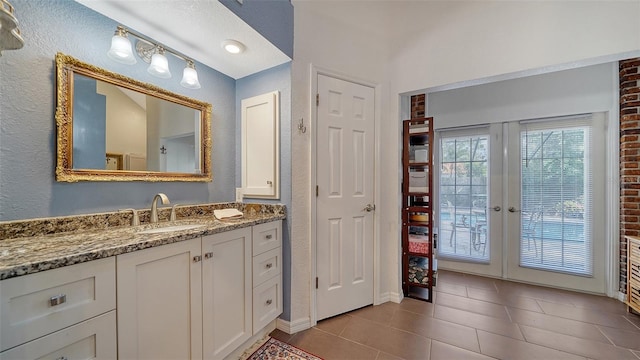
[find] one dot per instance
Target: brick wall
(629, 159)
(417, 106)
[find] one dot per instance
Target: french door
(525, 201)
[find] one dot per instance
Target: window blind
(556, 192)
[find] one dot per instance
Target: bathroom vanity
(203, 288)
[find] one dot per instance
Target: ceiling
(196, 29)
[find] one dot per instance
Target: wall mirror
(114, 128)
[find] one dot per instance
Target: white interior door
(345, 172)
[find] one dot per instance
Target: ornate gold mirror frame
(66, 67)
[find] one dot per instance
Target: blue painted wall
(271, 18)
(27, 126)
(275, 79)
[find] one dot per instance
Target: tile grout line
(605, 335)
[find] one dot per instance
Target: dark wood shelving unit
(418, 262)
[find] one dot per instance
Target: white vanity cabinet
(67, 312)
(160, 302)
(196, 299)
(267, 273)
(226, 292)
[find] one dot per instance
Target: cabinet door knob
(58, 299)
(62, 358)
(268, 237)
(269, 266)
(197, 258)
(269, 302)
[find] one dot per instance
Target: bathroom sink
(170, 229)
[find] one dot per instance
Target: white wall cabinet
(226, 291)
(261, 146)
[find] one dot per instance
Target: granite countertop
(27, 255)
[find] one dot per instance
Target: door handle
(369, 208)
(496, 208)
(513, 210)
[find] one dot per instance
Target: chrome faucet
(154, 205)
(135, 220)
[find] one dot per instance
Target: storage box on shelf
(417, 232)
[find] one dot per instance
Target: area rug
(274, 349)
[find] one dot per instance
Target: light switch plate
(238, 194)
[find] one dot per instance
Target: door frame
(315, 71)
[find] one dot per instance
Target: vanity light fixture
(10, 38)
(233, 46)
(153, 53)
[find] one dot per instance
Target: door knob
(369, 208)
(496, 208)
(512, 209)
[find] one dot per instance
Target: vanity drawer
(91, 339)
(266, 237)
(38, 304)
(266, 266)
(267, 303)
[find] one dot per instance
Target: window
(556, 190)
(464, 169)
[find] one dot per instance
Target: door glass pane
(555, 188)
(464, 168)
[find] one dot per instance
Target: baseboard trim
(292, 327)
(396, 297)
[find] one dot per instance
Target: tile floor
(479, 318)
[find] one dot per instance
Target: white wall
(323, 39)
(443, 42)
(569, 92)
(407, 46)
(126, 122)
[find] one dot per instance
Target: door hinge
(317, 99)
(316, 282)
(317, 190)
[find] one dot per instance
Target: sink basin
(170, 229)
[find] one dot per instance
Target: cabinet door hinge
(317, 190)
(317, 99)
(316, 282)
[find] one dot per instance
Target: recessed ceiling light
(233, 46)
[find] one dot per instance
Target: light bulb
(233, 46)
(120, 50)
(159, 65)
(190, 77)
